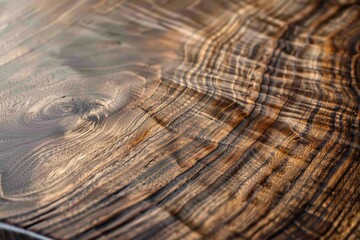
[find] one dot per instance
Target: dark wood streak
(167, 119)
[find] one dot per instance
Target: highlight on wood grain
(180, 119)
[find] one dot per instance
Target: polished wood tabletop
(179, 119)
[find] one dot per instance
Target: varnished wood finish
(182, 119)
(9, 232)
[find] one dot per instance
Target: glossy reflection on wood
(180, 119)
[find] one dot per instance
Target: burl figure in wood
(180, 119)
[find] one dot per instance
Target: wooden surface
(180, 119)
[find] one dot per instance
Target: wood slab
(180, 119)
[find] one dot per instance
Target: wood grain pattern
(180, 119)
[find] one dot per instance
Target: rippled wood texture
(180, 119)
